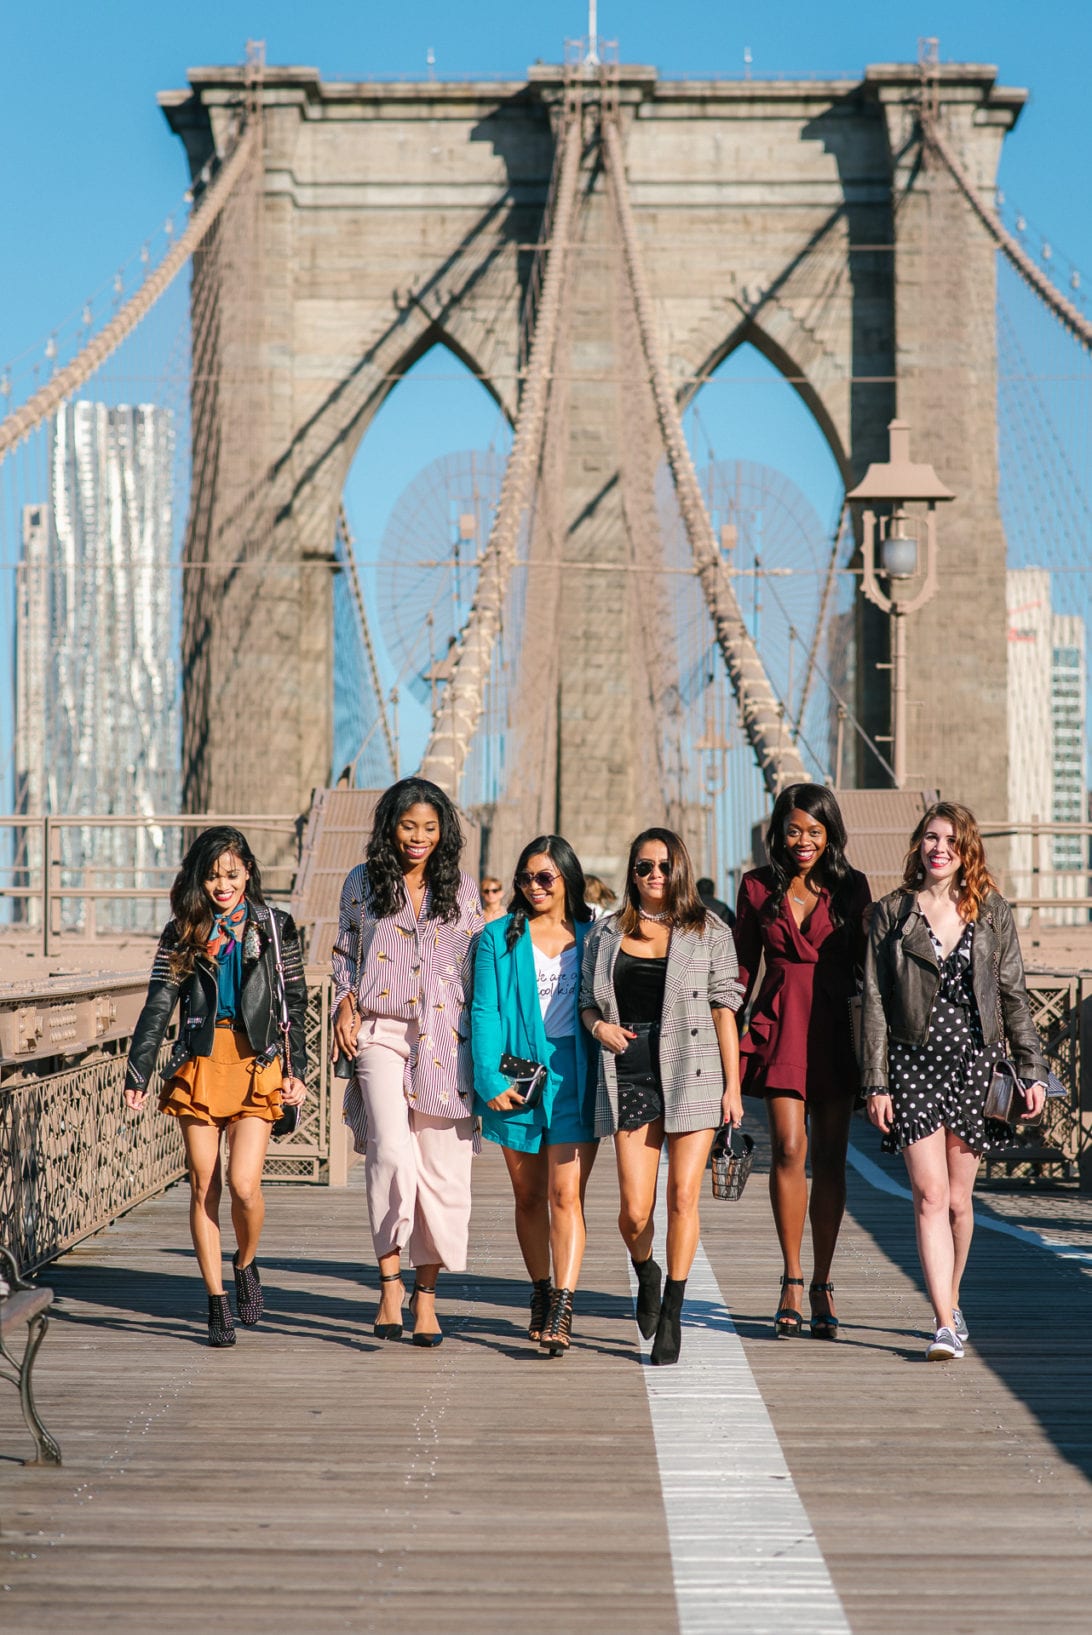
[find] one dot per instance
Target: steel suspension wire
(461, 705)
(762, 713)
(1074, 320)
(22, 421)
(347, 555)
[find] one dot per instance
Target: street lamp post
(896, 483)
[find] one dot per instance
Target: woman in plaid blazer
(658, 992)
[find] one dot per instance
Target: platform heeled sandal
(423, 1339)
(388, 1331)
(557, 1334)
(824, 1324)
(789, 1324)
(541, 1291)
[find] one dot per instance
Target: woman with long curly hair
(526, 979)
(944, 988)
(402, 965)
(804, 914)
(216, 957)
(658, 991)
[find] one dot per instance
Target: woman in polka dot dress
(944, 987)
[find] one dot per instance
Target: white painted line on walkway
(743, 1553)
(879, 1178)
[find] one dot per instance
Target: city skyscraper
(97, 728)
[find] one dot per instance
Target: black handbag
(289, 1121)
(528, 1078)
(729, 1163)
(1005, 1098)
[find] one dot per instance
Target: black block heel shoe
(668, 1342)
(221, 1328)
(541, 1290)
(423, 1339)
(249, 1300)
(558, 1333)
(648, 1295)
(787, 1322)
(824, 1324)
(388, 1331)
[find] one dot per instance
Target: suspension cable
(344, 537)
(763, 715)
(48, 399)
(461, 704)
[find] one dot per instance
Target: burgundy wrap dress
(799, 1038)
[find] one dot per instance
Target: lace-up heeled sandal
(221, 1328)
(423, 1339)
(541, 1290)
(789, 1324)
(389, 1331)
(557, 1334)
(249, 1300)
(824, 1324)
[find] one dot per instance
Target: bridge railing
(73, 1157)
(1048, 878)
(77, 875)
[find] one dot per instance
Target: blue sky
(90, 168)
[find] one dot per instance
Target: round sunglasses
(542, 878)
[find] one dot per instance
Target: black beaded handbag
(527, 1078)
(731, 1164)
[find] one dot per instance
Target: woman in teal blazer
(526, 984)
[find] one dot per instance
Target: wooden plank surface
(314, 1478)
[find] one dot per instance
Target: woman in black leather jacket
(944, 987)
(216, 959)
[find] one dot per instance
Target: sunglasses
(492, 891)
(646, 866)
(540, 879)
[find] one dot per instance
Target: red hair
(975, 880)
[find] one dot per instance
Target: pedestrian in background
(402, 966)
(598, 896)
(217, 961)
(707, 893)
(492, 891)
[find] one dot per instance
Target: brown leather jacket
(902, 978)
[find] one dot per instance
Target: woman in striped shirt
(402, 965)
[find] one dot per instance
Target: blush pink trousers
(416, 1168)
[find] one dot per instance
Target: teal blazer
(505, 1016)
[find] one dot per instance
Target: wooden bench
(24, 1306)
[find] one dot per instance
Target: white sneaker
(944, 1347)
(962, 1332)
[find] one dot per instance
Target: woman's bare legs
(569, 1165)
(927, 1167)
(786, 1115)
(962, 1174)
(529, 1174)
(687, 1157)
(828, 1139)
(202, 1144)
(637, 1155)
(248, 1139)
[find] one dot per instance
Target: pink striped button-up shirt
(412, 970)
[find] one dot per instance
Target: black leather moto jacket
(198, 994)
(902, 979)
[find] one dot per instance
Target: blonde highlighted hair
(975, 881)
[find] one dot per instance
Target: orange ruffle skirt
(225, 1086)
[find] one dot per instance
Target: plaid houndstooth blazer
(701, 976)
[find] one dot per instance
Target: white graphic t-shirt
(558, 980)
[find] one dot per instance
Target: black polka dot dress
(943, 1083)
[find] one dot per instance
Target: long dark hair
(681, 900)
(565, 860)
(975, 880)
(385, 884)
(834, 872)
(190, 905)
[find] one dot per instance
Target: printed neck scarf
(226, 929)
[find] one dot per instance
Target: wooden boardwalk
(316, 1479)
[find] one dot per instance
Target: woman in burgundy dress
(805, 913)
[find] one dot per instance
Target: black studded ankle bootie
(249, 1300)
(668, 1341)
(221, 1328)
(648, 1295)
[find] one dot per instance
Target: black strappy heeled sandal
(423, 1339)
(557, 1334)
(541, 1290)
(789, 1324)
(824, 1324)
(388, 1331)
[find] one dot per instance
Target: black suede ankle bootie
(648, 1295)
(668, 1341)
